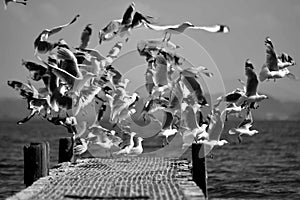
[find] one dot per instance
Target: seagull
(112, 54)
(71, 74)
(180, 28)
(138, 19)
(85, 97)
(230, 109)
(104, 138)
(195, 88)
(85, 36)
(41, 45)
(14, 1)
(195, 71)
(251, 95)
(24, 89)
(137, 150)
(36, 71)
(68, 122)
(218, 28)
(167, 132)
(128, 15)
(170, 29)
(271, 69)
(68, 62)
(192, 131)
(126, 150)
(80, 147)
(232, 97)
(166, 129)
(156, 44)
(110, 31)
(244, 127)
(160, 77)
(59, 100)
(284, 60)
(214, 142)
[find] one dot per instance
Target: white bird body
(180, 28)
(281, 73)
(214, 142)
(167, 132)
(134, 151)
(80, 148)
(250, 95)
(244, 127)
(232, 109)
(275, 67)
(128, 148)
(243, 131)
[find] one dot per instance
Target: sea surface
(264, 166)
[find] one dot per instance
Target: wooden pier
(113, 178)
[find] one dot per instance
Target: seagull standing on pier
(126, 150)
(137, 150)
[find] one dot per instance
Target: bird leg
(226, 117)
(169, 37)
(240, 139)
(165, 37)
(167, 140)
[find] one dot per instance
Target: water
(13, 137)
(266, 166)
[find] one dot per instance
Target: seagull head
(136, 96)
(132, 134)
(100, 36)
(140, 139)
(248, 64)
(262, 97)
(132, 4)
(88, 28)
(268, 42)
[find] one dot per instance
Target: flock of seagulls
(74, 77)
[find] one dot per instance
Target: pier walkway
(118, 178)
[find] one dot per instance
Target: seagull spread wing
(128, 14)
(168, 119)
(252, 81)
(271, 58)
(213, 28)
(59, 28)
(161, 27)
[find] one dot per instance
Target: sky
(223, 54)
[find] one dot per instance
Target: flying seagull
(244, 127)
(168, 30)
(251, 96)
(85, 36)
(274, 67)
(41, 45)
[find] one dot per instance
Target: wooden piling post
(199, 167)
(36, 162)
(65, 149)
